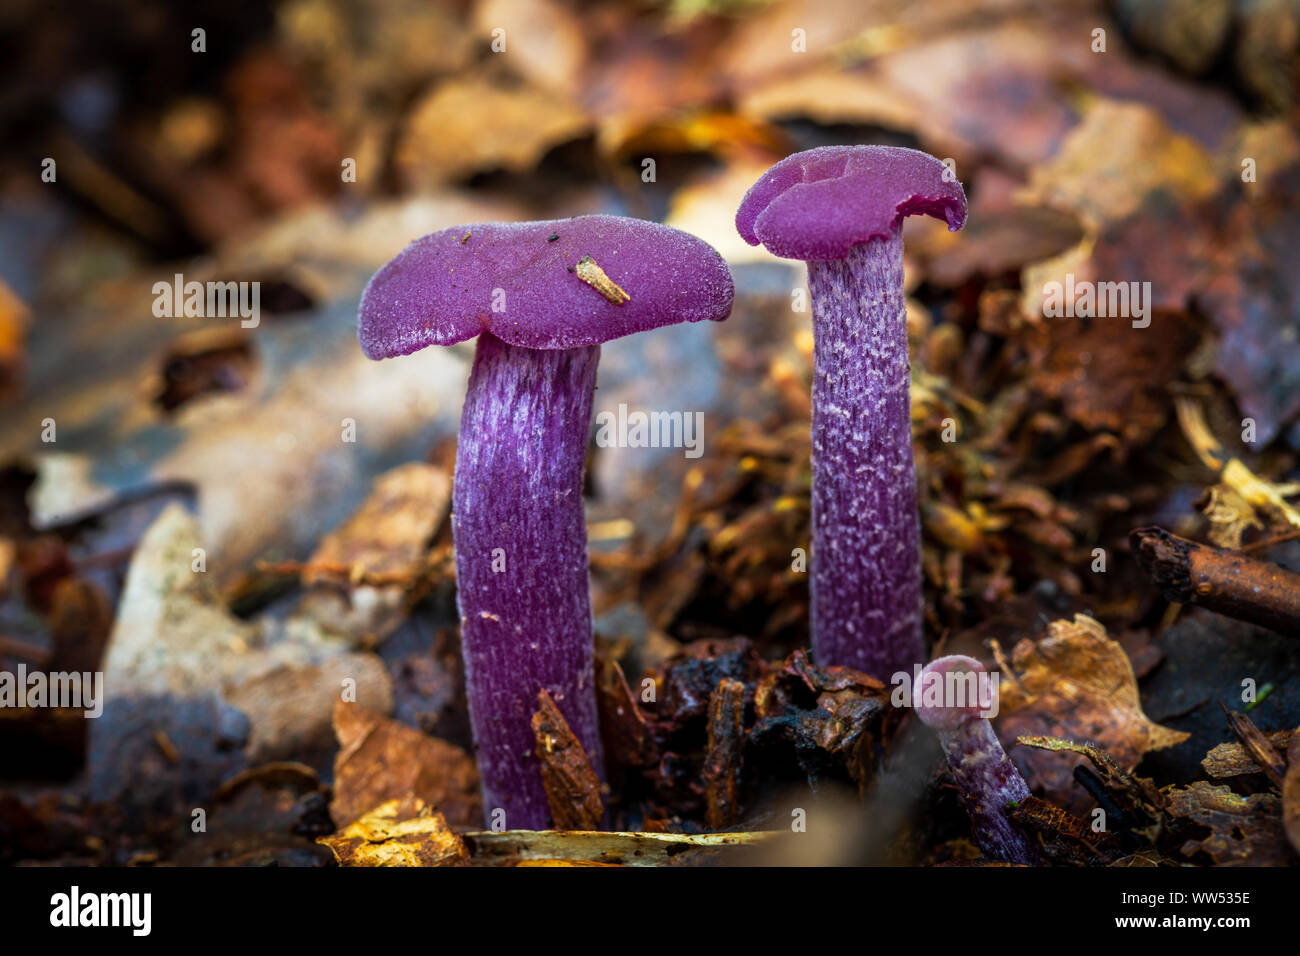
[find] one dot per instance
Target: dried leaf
(381, 760)
(1136, 805)
(1252, 297)
(1242, 831)
(553, 45)
(446, 139)
(398, 833)
(1108, 375)
(562, 863)
(1076, 683)
(291, 707)
(1232, 760)
(1066, 838)
(954, 82)
(391, 530)
(1118, 154)
(368, 572)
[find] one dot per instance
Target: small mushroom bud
(950, 696)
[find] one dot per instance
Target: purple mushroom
(541, 297)
(840, 209)
(950, 695)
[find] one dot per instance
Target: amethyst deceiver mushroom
(541, 297)
(841, 209)
(950, 694)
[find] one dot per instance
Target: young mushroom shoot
(840, 209)
(540, 297)
(951, 696)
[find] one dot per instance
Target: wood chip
(572, 787)
(1258, 746)
(631, 849)
(1231, 759)
(723, 758)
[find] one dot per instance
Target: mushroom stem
(521, 562)
(866, 584)
(951, 699)
(988, 782)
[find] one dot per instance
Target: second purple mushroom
(952, 695)
(540, 297)
(841, 209)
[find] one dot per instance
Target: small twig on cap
(592, 274)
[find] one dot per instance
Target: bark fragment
(572, 787)
(1258, 746)
(723, 759)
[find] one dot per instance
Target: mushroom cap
(948, 715)
(522, 282)
(818, 203)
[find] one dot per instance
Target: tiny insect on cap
(819, 203)
(557, 284)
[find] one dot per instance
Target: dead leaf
(1135, 805)
(998, 242)
(828, 95)
(545, 40)
(1230, 759)
(398, 833)
(291, 707)
(446, 139)
(562, 863)
(391, 530)
(1118, 154)
(1103, 378)
(366, 574)
(381, 760)
(1251, 295)
(1075, 683)
(1064, 837)
(1241, 830)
